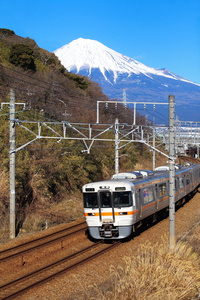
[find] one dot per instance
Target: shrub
(23, 56)
(4, 31)
(80, 81)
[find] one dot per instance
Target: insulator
(115, 105)
(144, 106)
(106, 105)
(154, 107)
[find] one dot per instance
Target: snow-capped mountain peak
(86, 54)
(114, 72)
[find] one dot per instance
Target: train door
(188, 183)
(163, 191)
(138, 199)
(181, 186)
(156, 195)
(106, 208)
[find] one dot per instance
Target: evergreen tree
(23, 56)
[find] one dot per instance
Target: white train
(115, 208)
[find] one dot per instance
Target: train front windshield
(90, 200)
(122, 199)
(107, 199)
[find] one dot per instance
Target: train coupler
(108, 231)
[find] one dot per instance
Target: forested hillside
(49, 175)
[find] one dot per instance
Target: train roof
(166, 168)
(128, 182)
(133, 174)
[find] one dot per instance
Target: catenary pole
(171, 172)
(116, 146)
(154, 152)
(12, 164)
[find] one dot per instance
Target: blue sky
(160, 34)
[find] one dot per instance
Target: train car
(115, 208)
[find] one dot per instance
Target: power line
(64, 92)
(46, 84)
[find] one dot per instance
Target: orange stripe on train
(106, 214)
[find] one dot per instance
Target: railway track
(20, 285)
(189, 159)
(32, 245)
(63, 288)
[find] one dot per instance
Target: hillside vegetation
(49, 175)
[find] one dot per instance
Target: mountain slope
(39, 79)
(114, 72)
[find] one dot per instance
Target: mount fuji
(115, 72)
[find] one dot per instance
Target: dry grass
(4, 185)
(155, 273)
(194, 239)
(4, 204)
(148, 165)
(44, 216)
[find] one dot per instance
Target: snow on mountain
(114, 72)
(86, 54)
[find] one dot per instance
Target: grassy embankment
(156, 273)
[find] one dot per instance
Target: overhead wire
(38, 79)
(161, 118)
(52, 98)
(65, 91)
(44, 85)
(56, 84)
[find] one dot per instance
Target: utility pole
(154, 152)
(171, 172)
(124, 97)
(116, 146)
(12, 159)
(12, 164)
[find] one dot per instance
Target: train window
(122, 199)
(181, 182)
(162, 188)
(90, 200)
(187, 180)
(156, 188)
(148, 194)
(176, 187)
(105, 199)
